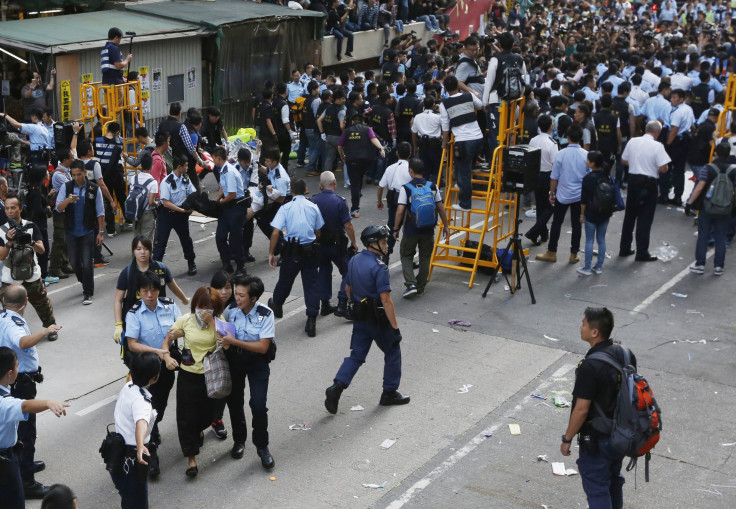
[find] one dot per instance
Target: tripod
(516, 257)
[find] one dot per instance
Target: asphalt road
(453, 447)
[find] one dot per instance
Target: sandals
(192, 471)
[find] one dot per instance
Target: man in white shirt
(427, 138)
(393, 179)
(646, 159)
(680, 80)
(146, 224)
(548, 146)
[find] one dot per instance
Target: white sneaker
(718, 271)
(584, 271)
(456, 206)
(698, 269)
(412, 290)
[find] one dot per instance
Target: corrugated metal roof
(218, 12)
(90, 26)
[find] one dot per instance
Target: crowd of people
(619, 96)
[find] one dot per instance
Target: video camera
(20, 232)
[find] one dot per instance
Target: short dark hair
(113, 33)
(404, 150)
(37, 112)
(113, 127)
(60, 496)
(141, 132)
(179, 160)
(77, 164)
(149, 279)
(606, 101)
(161, 138)
(601, 319)
(281, 88)
(272, 153)
(470, 41)
(83, 147)
(506, 40)
(144, 366)
(253, 283)
(417, 166)
(219, 152)
(298, 187)
(723, 149)
(174, 109)
(220, 279)
(141, 239)
(63, 153)
(7, 360)
(244, 154)
(146, 162)
(544, 122)
(574, 133)
(450, 84)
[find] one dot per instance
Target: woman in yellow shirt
(193, 407)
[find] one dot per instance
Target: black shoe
(544, 236)
(227, 267)
(241, 270)
(327, 308)
(532, 238)
(342, 308)
(38, 466)
(53, 336)
(238, 450)
(393, 398)
(663, 200)
(333, 393)
(192, 269)
(68, 269)
(339, 58)
(623, 186)
(676, 202)
(153, 465)
(266, 458)
(311, 326)
(35, 490)
(249, 258)
(627, 252)
(348, 54)
(219, 428)
(192, 471)
(278, 311)
(645, 258)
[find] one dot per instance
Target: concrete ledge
(366, 45)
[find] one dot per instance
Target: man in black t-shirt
(596, 387)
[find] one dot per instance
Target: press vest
(478, 78)
(278, 103)
(389, 71)
(460, 109)
(620, 108)
(308, 120)
(699, 101)
(172, 126)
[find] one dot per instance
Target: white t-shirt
(395, 176)
(645, 155)
(130, 408)
(92, 176)
(145, 179)
(427, 123)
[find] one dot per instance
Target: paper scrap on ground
(435, 331)
(558, 468)
(542, 457)
(388, 443)
(680, 295)
(729, 445)
(356, 408)
(300, 427)
(464, 389)
(459, 323)
(372, 485)
(550, 338)
(514, 429)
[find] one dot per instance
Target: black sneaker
(327, 308)
(266, 459)
(227, 266)
(219, 428)
(192, 268)
(34, 490)
(249, 258)
(278, 311)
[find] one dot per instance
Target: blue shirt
(657, 108)
(635, 104)
(293, 90)
(11, 412)
(704, 116)
(78, 207)
(176, 189)
(569, 170)
(50, 129)
(38, 135)
(110, 54)
(590, 95)
(249, 175)
(12, 328)
(256, 325)
(714, 84)
(60, 177)
(230, 181)
(367, 276)
(683, 118)
(334, 210)
(300, 217)
(616, 82)
(150, 327)
(280, 180)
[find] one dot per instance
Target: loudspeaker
(521, 165)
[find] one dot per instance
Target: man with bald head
(337, 230)
(647, 160)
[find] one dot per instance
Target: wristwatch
(565, 440)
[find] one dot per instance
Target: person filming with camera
(20, 243)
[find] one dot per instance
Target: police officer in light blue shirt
(234, 201)
(302, 221)
(659, 108)
(678, 144)
(294, 88)
(147, 327)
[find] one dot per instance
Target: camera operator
(20, 242)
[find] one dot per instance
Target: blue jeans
(430, 21)
(81, 250)
(468, 149)
(595, 232)
(492, 124)
(600, 471)
(364, 334)
(403, 10)
(316, 149)
(711, 227)
(340, 34)
(352, 27)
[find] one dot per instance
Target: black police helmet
(374, 233)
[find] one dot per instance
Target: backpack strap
(606, 356)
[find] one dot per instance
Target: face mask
(198, 315)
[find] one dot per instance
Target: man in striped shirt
(111, 59)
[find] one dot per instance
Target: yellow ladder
(722, 126)
(495, 212)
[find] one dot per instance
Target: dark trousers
(641, 202)
(257, 371)
(194, 178)
(179, 222)
(116, 185)
(327, 256)
(600, 472)
(11, 485)
(356, 170)
(229, 234)
(160, 397)
(431, 156)
(263, 220)
(558, 217)
(205, 171)
(291, 266)
(81, 253)
(303, 146)
(43, 259)
(544, 207)
(284, 143)
(58, 257)
(38, 298)
(408, 247)
(675, 177)
(391, 222)
(133, 492)
(193, 410)
(364, 334)
(23, 388)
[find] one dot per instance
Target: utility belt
(371, 311)
(6, 458)
(642, 180)
(294, 249)
(250, 356)
(428, 142)
(392, 198)
(333, 239)
(31, 376)
(243, 202)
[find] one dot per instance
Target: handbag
(619, 203)
(217, 374)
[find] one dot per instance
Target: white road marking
(61, 289)
(665, 287)
(97, 405)
(469, 447)
(209, 237)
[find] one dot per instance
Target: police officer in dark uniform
(369, 289)
(406, 109)
(284, 134)
(378, 120)
(180, 146)
(608, 127)
(390, 69)
(333, 243)
(249, 354)
(174, 190)
(331, 122)
(234, 200)
(147, 327)
(702, 95)
(267, 132)
(596, 389)
(15, 334)
(302, 221)
(357, 148)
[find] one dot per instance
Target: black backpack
(604, 196)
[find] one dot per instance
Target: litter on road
(550, 338)
(559, 469)
(514, 429)
(300, 427)
(464, 389)
(538, 396)
(561, 401)
(356, 408)
(435, 331)
(680, 295)
(374, 486)
(388, 443)
(459, 323)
